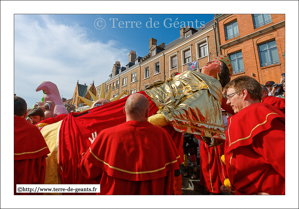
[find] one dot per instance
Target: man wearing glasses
(255, 141)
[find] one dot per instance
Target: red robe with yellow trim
(132, 158)
(30, 152)
(255, 150)
(277, 102)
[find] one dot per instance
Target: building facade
(255, 44)
(193, 45)
(82, 91)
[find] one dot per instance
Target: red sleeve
(272, 146)
(88, 169)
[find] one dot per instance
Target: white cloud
(62, 54)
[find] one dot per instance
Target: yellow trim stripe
(254, 128)
(131, 172)
(24, 153)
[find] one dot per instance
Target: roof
(181, 39)
(82, 90)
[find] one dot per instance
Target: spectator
(142, 157)
(30, 149)
(190, 146)
(36, 115)
(253, 135)
(269, 86)
(279, 103)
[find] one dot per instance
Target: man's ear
(147, 113)
(124, 110)
(245, 93)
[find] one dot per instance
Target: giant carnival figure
(189, 102)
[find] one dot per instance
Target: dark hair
(36, 111)
(264, 88)
(20, 106)
(253, 87)
(224, 74)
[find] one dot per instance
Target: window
(117, 84)
(231, 30)
(107, 89)
(80, 105)
(115, 95)
(237, 62)
(133, 91)
(133, 77)
(146, 72)
(202, 50)
(268, 53)
(113, 85)
(187, 56)
(157, 68)
(174, 61)
(124, 81)
(261, 19)
(110, 86)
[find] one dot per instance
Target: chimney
(182, 32)
(162, 45)
(132, 56)
(117, 64)
(152, 42)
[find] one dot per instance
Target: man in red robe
(255, 141)
(30, 149)
(277, 102)
(129, 158)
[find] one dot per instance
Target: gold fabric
(50, 134)
(191, 103)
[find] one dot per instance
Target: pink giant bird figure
(53, 102)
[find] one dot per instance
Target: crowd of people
(137, 147)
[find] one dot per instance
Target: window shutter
(187, 53)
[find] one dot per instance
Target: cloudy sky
(66, 48)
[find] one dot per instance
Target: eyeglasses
(229, 96)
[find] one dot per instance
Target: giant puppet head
(219, 68)
(53, 102)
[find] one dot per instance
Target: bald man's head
(137, 107)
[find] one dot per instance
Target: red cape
(30, 152)
(28, 141)
(255, 150)
(277, 102)
(134, 154)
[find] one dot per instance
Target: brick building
(163, 60)
(255, 44)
